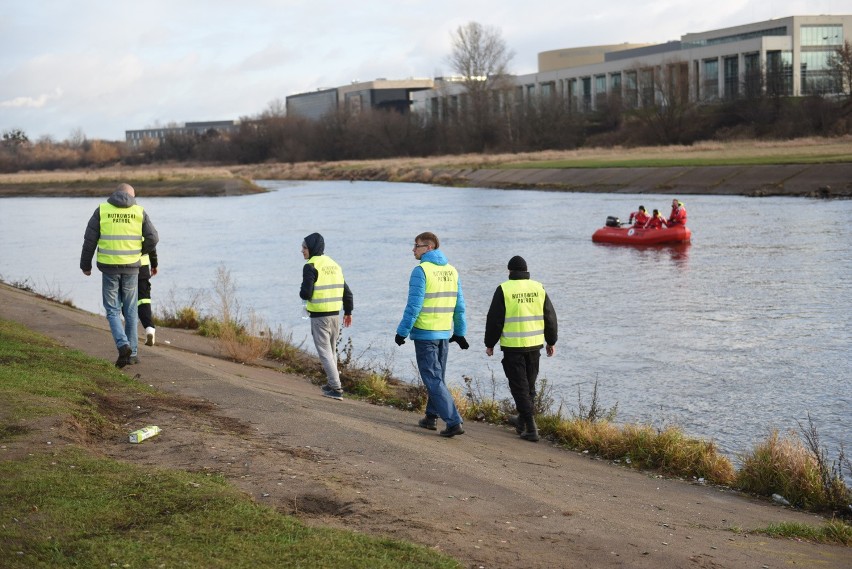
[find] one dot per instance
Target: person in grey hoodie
(121, 232)
(325, 292)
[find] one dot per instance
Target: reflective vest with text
(439, 303)
(523, 326)
(120, 242)
(328, 290)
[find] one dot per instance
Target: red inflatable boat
(639, 236)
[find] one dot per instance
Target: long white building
(786, 55)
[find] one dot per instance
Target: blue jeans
(432, 364)
(120, 295)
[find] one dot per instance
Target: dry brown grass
(244, 342)
(782, 465)
(419, 169)
(129, 174)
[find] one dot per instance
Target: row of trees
(490, 116)
(538, 124)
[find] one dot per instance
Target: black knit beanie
(517, 263)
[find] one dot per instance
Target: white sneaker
(150, 331)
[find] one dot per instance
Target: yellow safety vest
(121, 235)
(523, 326)
(328, 290)
(439, 303)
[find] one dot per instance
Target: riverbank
(486, 498)
(171, 181)
(817, 168)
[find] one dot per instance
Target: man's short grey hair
(126, 188)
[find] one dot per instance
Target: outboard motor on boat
(612, 221)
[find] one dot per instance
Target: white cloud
(107, 67)
(32, 102)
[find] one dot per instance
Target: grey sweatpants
(325, 331)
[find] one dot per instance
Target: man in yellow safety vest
(121, 233)
(434, 316)
(521, 317)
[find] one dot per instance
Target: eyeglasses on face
(419, 245)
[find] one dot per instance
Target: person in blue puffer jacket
(434, 316)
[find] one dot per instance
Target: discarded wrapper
(145, 433)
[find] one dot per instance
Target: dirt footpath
(487, 498)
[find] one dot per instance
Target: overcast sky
(101, 67)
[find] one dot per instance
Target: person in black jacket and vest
(325, 293)
(522, 319)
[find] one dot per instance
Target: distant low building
(158, 135)
(378, 94)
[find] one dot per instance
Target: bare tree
(840, 67)
(665, 105)
(479, 54)
(276, 108)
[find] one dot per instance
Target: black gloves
(400, 340)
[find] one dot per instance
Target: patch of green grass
(834, 532)
(38, 377)
(74, 510)
(680, 161)
(70, 508)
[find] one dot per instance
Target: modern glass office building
(786, 56)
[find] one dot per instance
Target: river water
(745, 330)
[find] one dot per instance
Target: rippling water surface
(746, 329)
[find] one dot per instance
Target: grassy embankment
(438, 169)
(227, 179)
(149, 181)
(799, 471)
(70, 507)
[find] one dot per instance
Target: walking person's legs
(111, 296)
(325, 331)
(146, 318)
(432, 364)
(129, 298)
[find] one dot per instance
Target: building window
(572, 94)
(779, 73)
(780, 31)
(752, 75)
(821, 35)
(631, 89)
(732, 77)
(816, 73)
(587, 93)
(615, 82)
(646, 87)
(711, 80)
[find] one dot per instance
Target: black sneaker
(332, 393)
(452, 431)
(428, 422)
(123, 356)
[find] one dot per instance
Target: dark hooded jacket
(316, 246)
(497, 315)
(93, 234)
